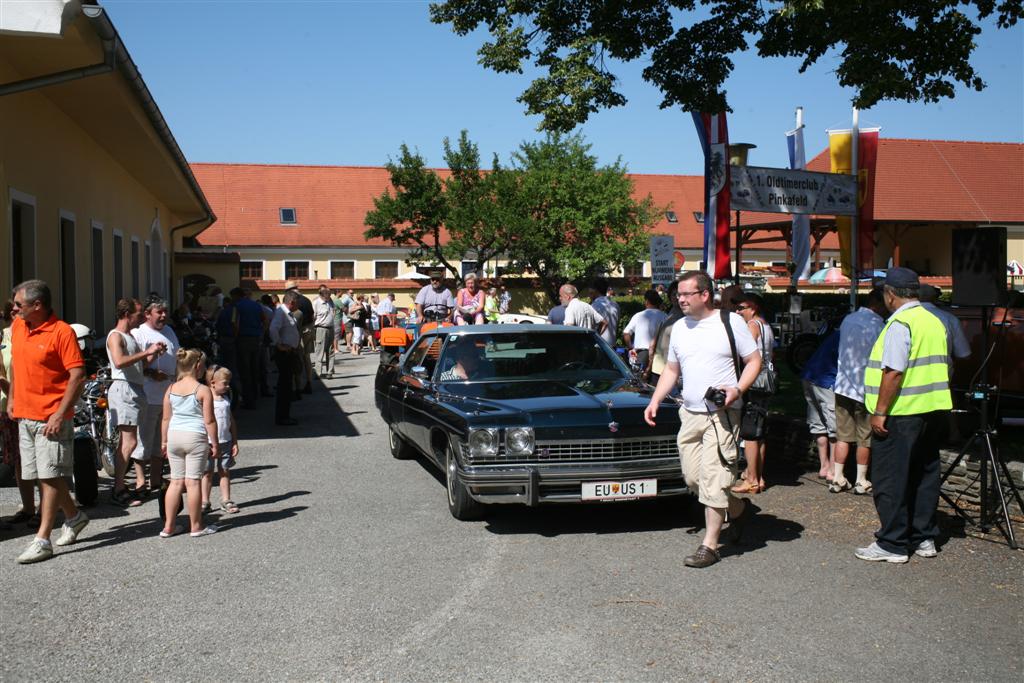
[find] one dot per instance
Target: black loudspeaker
(979, 266)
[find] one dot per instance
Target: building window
(67, 269)
(118, 266)
(97, 277)
(23, 241)
(343, 270)
(149, 268)
(469, 267)
(135, 268)
(698, 216)
(250, 270)
(635, 269)
(288, 217)
(671, 217)
(296, 270)
(385, 270)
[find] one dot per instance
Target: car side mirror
(420, 372)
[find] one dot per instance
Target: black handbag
(753, 414)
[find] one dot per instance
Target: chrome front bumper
(535, 483)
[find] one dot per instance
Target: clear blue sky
(347, 82)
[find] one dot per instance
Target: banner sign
(714, 141)
(801, 228)
(840, 152)
(663, 259)
(783, 190)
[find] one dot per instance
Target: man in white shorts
(158, 374)
(126, 397)
(701, 352)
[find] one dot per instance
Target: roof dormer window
(288, 217)
(671, 217)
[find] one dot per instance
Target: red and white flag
(714, 140)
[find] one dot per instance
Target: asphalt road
(345, 564)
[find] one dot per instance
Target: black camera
(715, 396)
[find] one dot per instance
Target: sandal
(746, 487)
(22, 516)
(229, 507)
(123, 498)
(206, 508)
(205, 531)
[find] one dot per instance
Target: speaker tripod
(986, 435)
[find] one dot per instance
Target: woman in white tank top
(750, 307)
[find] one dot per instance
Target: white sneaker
(838, 486)
(69, 533)
(926, 549)
(874, 553)
(862, 488)
(37, 551)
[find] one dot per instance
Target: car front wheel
(460, 504)
(400, 450)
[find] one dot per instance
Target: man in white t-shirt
(643, 326)
(700, 351)
(580, 313)
(606, 308)
(158, 374)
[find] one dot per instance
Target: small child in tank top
(219, 381)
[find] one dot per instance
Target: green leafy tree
(440, 221)
(885, 49)
(568, 219)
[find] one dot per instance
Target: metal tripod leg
(960, 456)
(996, 463)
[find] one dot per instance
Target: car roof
(505, 329)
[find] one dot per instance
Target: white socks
(862, 473)
(837, 472)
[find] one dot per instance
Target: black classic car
(527, 414)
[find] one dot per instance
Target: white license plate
(620, 490)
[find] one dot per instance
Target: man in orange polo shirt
(48, 374)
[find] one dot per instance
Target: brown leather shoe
(704, 557)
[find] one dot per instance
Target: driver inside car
(469, 363)
(434, 301)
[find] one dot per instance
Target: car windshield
(528, 356)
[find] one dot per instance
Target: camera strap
(732, 342)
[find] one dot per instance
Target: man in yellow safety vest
(906, 391)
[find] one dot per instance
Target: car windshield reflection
(528, 356)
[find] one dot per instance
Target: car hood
(560, 410)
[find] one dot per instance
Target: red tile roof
(918, 180)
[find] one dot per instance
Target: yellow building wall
(46, 155)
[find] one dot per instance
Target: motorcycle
(96, 440)
(197, 333)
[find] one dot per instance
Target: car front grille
(596, 450)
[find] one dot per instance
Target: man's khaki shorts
(701, 437)
(45, 457)
(853, 423)
(126, 404)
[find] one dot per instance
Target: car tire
(400, 450)
(84, 468)
(460, 504)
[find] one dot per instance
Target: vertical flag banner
(801, 231)
(840, 145)
(714, 140)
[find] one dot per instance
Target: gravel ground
(345, 564)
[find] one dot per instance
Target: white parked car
(521, 319)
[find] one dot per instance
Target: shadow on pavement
(318, 415)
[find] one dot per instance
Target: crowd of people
(168, 404)
(876, 385)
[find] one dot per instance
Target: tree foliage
(553, 213)
(886, 49)
(569, 219)
(440, 221)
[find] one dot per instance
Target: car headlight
(519, 440)
(483, 443)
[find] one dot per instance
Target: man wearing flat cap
(906, 390)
